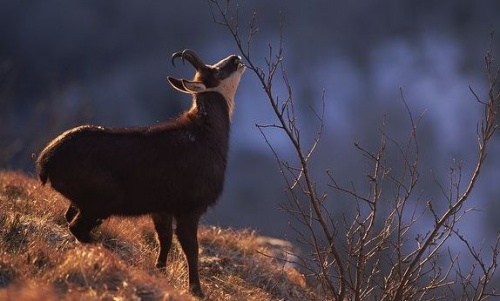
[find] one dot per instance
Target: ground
(41, 260)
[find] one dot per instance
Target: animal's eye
(236, 60)
(217, 72)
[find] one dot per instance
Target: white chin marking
(228, 86)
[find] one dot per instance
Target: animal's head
(222, 77)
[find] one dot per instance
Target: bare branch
(379, 255)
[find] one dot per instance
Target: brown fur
(170, 170)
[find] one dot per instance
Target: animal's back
(52, 152)
(137, 171)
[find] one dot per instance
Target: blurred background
(66, 63)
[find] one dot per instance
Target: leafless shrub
(386, 249)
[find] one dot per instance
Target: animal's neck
(211, 105)
(229, 90)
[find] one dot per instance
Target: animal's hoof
(196, 291)
(161, 266)
(84, 238)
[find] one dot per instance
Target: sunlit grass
(41, 260)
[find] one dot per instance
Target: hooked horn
(190, 56)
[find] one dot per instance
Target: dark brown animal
(172, 170)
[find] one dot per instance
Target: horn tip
(176, 55)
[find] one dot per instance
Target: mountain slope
(40, 259)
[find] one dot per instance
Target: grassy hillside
(40, 259)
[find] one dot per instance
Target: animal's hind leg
(187, 234)
(81, 226)
(163, 227)
(71, 213)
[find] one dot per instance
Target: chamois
(171, 170)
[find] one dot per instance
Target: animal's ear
(186, 86)
(177, 84)
(193, 87)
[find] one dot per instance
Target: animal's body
(170, 170)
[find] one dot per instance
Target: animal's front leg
(163, 227)
(187, 234)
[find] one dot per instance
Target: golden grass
(40, 259)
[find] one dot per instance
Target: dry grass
(40, 260)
